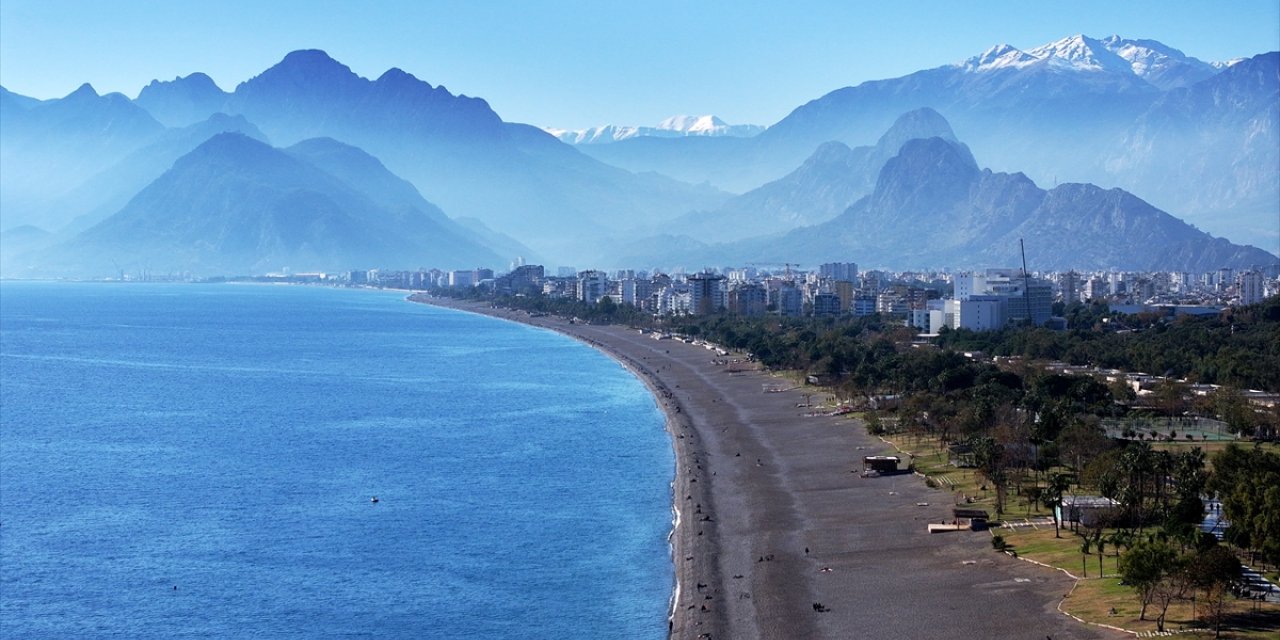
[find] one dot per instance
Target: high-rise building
(706, 293)
(1249, 284)
(1024, 297)
(1069, 287)
(846, 271)
(748, 300)
(826, 304)
(592, 285)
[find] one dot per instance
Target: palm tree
(1101, 543)
(1085, 549)
(1052, 497)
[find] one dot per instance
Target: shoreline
(782, 538)
(688, 551)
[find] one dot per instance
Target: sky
(579, 63)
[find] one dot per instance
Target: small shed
(977, 517)
(961, 455)
(1090, 511)
(881, 464)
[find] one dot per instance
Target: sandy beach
(778, 536)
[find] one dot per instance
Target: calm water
(226, 440)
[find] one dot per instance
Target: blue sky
(575, 63)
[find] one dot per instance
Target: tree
(1052, 496)
(1082, 440)
(1215, 572)
(1171, 586)
(1170, 394)
(1086, 547)
(1100, 542)
(1143, 566)
(1248, 483)
(607, 307)
(988, 455)
(1233, 409)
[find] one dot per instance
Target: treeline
(1239, 347)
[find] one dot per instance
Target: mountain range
(236, 205)
(348, 165)
(932, 206)
(512, 177)
(1115, 112)
(673, 127)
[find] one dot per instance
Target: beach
(777, 534)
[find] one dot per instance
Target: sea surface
(200, 461)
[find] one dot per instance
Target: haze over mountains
(931, 205)
(310, 166)
(1114, 112)
(237, 205)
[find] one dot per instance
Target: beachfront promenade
(779, 536)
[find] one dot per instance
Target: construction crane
(786, 265)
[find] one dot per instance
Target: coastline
(775, 534)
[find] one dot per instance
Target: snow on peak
(673, 127)
(1001, 56)
(1082, 53)
(1155, 62)
(692, 124)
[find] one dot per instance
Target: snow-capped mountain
(673, 127)
(1082, 53)
(1155, 62)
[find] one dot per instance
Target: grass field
(1100, 600)
(1107, 601)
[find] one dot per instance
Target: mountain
(515, 178)
(1160, 64)
(370, 177)
(673, 127)
(1071, 110)
(49, 148)
(1213, 148)
(237, 205)
(105, 193)
(830, 180)
(1022, 108)
(10, 99)
(182, 101)
(932, 206)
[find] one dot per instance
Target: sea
(202, 461)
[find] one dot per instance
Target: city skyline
(577, 64)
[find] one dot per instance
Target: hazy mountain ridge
(237, 205)
(50, 147)
(184, 100)
(826, 184)
(932, 206)
(86, 156)
(108, 191)
(513, 177)
(1063, 112)
(509, 176)
(1232, 121)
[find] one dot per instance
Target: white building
(1249, 284)
(1022, 297)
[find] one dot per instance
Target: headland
(777, 534)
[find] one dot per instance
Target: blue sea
(200, 461)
